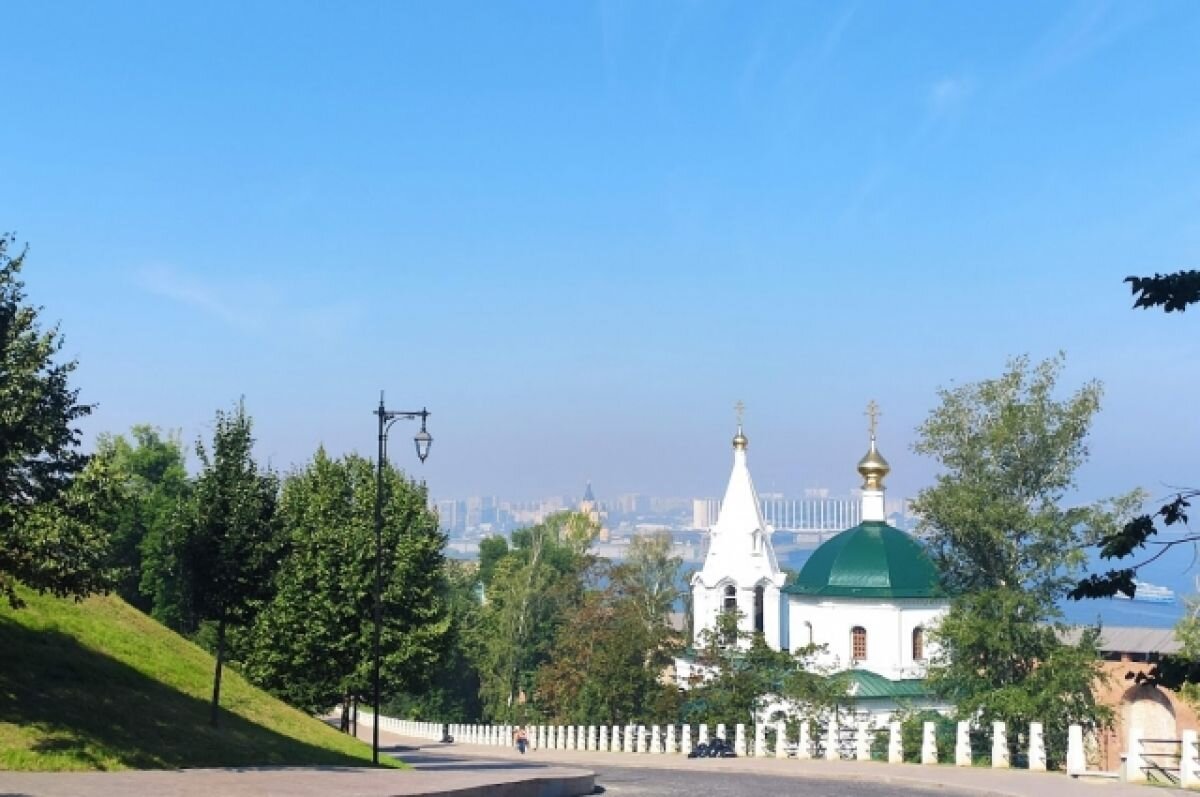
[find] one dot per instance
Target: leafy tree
(649, 579)
(1007, 547)
(150, 475)
(736, 682)
(229, 545)
(998, 659)
(491, 551)
(533, 589)
(39, 452)
(310, 645)
(62, 546)
(452, 694)
(600, 666)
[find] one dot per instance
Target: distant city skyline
(579, 232)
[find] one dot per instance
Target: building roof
(865, 685)
(870, 560)
(1131, 639)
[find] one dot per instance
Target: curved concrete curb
(302, 782)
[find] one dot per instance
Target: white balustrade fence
(1145, 758)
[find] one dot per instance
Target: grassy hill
(99, 685)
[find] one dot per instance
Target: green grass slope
(99, 685)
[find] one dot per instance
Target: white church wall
(888, 627)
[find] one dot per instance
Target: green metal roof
(871, 560)
(866, 685)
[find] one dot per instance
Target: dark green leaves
(1171, 292)
(46, 540)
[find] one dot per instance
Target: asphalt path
(676, 782)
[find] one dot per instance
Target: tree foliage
(737, 676)
(1007, 548)
(47, 545)
(229, 547)
(311, 644)
(533, 590)
(1172, 292)
(152, 481)
(997, 659)
(1009, 450)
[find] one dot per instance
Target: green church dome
(871, 560)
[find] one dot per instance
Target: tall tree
(1009, 549)
(39, 449)
(229, 544)
(308, 643)
(532, 590)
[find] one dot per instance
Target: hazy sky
(580, 232)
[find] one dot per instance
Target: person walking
(522, 739)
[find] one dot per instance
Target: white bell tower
(740, 572)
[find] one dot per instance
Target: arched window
(758, 609)
(858, 643)
(730, 607)
(918, 650)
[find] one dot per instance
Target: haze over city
(578, 233)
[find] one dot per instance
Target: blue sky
(580, 232)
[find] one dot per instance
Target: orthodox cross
(740, 409)
(873, 414)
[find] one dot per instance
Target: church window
(730, 607)
(918, 644)
(858, 643)
(758, 609)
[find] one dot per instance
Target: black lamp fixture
(423, 440)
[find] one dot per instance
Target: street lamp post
(423, 441)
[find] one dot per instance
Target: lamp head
(423, 440)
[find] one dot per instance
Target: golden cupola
(873, 468)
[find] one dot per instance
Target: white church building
(867, 595)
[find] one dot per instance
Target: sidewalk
(966, 780)
(486, 779)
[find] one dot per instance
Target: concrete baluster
(781, 739)
(702, 734)
(862, 742)
(685, 743)
(1037, 747)
(895, 743)
(962, 745)
(591, 738)
(629, 738)
(721, 732)
(602, 740)
(832, 740)
(739, 740)
(929, 751)
(1000, 745)
(1077, 759)
(581, 737)
(655, 739)
(643, 745)
(671, 747)
(760, 740)
(572, 738)
(615, 741)
(1189, 771)
(803, 742)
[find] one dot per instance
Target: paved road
(700, 779)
